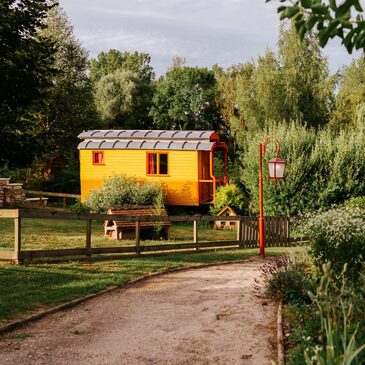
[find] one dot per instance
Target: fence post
(239, 231)
(17, 238)
(196, 238)
(138, 237)
(88, 238)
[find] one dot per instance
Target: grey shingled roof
(146, 140)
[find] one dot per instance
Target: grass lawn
(57, 233)
(24, 289)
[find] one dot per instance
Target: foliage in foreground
(326, 328)
(122, 190)
(336, 342)
(328, 19)
(338, 236)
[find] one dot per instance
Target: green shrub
(358, 201)
(337, 236)
(122, 190)
(323, 168)
(232, 196)
(78, 207)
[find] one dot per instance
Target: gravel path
(201, 316)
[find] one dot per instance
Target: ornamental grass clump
(337, 236)
(121, 190)
(336, 341)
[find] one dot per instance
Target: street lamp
(276, 173)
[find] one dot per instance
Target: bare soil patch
(203, 316)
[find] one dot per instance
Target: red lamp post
(276, 172)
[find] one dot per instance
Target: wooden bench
(126, 230)
(39, 201)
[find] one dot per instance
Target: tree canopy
(185, 98)
(123, 88)
(69, 108)
(26, 69)
(350, 100)
(293, 84)
(113, 60)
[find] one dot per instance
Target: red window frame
(98, 158)
(154, 170)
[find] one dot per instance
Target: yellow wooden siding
(181, 184)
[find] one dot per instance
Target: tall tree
(113, 60)
(123, 100)
(26, 67)
(308, 85)
(350, 100)
(185, 98)
(295, 84)
(69, 108)
(123, 88)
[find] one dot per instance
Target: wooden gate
(277, 231)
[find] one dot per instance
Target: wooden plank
(30, 254)
(196, 238)
(9, 213)
(167, 247)
(28, 213)
(185, 246)
(106, 250)
(7, 255)
(88, 238)
(248, 232)
(138, 237)
(243, 227)
(17, 238)
(46, 193)
(239, 230)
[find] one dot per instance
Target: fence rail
(277, 234)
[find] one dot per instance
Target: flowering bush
(337, 236)
(123, 190)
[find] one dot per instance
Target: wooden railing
(46, 194)
(277, 231)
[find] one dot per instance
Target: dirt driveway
(202, 316)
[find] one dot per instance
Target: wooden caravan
(190, 164)
(126, 230)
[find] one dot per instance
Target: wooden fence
(277, 234)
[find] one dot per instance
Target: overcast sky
(205, 32)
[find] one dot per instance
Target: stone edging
(280, 337)
(21, 322)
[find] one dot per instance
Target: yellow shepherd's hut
(182, 160)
